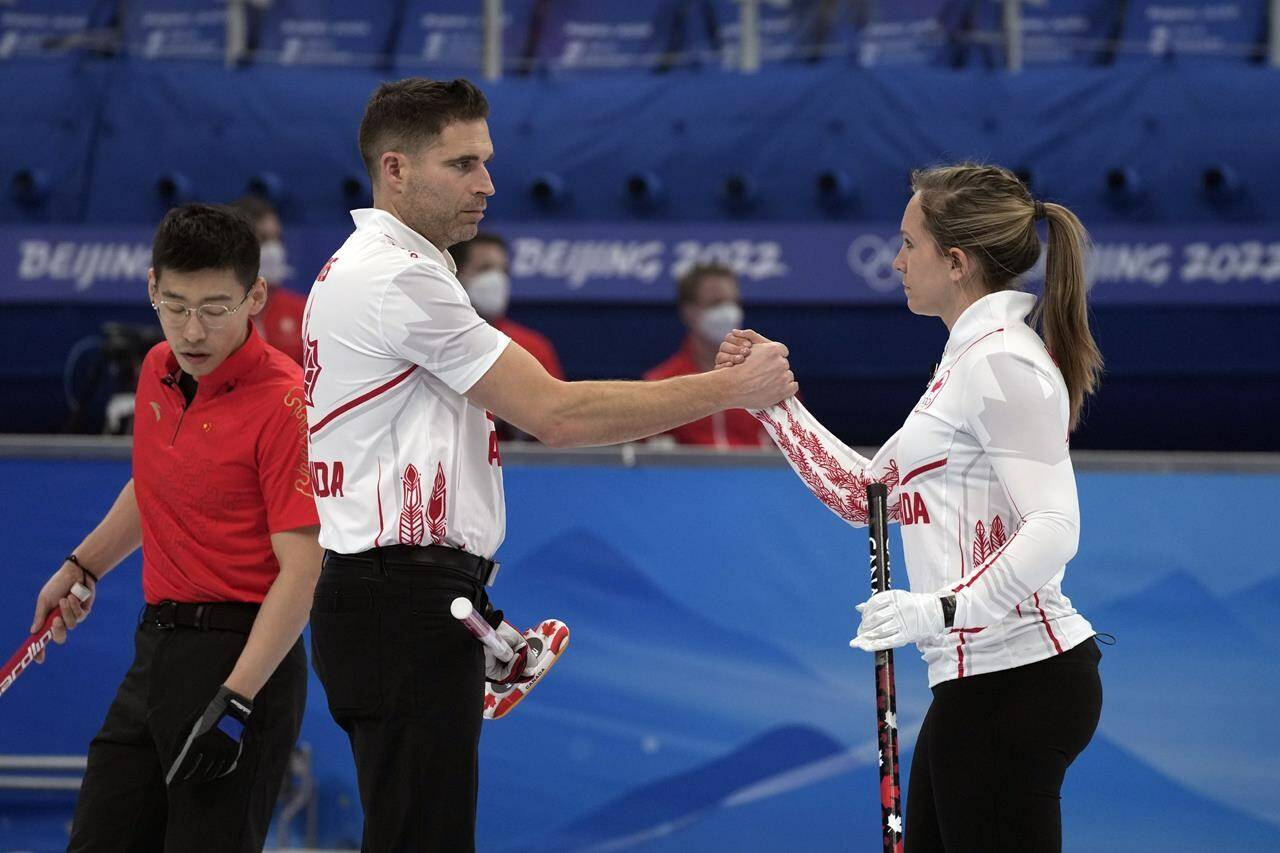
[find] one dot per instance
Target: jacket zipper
(185, 405)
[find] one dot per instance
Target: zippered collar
(227, 375)
(991, 312)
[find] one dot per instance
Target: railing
(646, 455)
(749, 54)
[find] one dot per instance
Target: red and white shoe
(547, 641)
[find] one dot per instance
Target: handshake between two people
(760, 367)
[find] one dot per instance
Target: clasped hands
(766, 376)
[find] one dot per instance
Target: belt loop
(202, 617)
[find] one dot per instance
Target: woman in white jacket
(982, 484)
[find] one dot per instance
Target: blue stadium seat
(574, 35)
(915, 33)
(445, 38)
(1055, 33)
(799, 31)
(1231, 32)
(175, 29)
(44, 29)
(328, 32)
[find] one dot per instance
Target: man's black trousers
(405, 680)
(124, 804)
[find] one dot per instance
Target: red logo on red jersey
(310, 368)
(411, 528)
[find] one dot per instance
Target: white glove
(896, 618)
(507, 672)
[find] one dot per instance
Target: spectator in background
(484, 270)
(280, 323)
(710, 307)
(483, 266)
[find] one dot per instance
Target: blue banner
(777, 263)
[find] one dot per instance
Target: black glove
(213, 747)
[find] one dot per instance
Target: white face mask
(273, 263)
(718, 321)
(489, 292)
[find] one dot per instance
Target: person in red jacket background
(483, 269)
(710, 307)
(280, 323)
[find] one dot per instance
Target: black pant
(124, 804)
(405, 681)
(993, 751)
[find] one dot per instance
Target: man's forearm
(117, 536)
(280, 621)
(597, 413)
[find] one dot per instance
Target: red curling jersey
(214, 479)
(980, 481)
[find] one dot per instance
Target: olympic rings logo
(871, 257)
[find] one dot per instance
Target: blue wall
(709, 657)
(104, 132)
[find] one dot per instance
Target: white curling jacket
(981, 483)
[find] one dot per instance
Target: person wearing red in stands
(195, 745)
(710, 307)
(280, 321)
(484, 270)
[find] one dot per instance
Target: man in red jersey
(195, 745)
(709, 303)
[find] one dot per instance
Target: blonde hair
(987, 213)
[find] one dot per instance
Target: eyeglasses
(212, 315)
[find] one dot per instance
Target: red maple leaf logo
(310, 368)
(490, 701)
(547, 629)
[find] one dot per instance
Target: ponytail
(990, 214)
(1062, 315)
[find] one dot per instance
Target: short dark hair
(462, 251)
(254, 207)
(194, 237)
(408, 114)
(687, 285)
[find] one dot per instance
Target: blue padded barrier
(708, 700)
